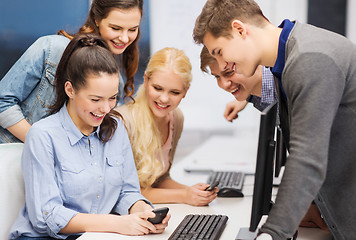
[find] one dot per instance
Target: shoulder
(178, 115)
(178, 120)
(123, 110)
(126, 113)
(52, 41)
(51, 47)
(45, 126)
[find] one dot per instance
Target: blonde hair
(146, 141)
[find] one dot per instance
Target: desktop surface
(237, 209)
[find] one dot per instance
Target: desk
(237, 209)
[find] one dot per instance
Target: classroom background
(168, 23)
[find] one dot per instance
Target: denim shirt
(27, 89)
(66, 172)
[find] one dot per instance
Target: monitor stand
(245, 234)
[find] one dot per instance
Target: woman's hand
(196, 196)
(135, 223)
(162, 226)
(140, 206)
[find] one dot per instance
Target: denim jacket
(27, 89)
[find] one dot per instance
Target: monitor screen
(262, 192)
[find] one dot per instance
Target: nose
(221, 62)
(224, 83)
(124, 37)
(164, 97)
(105, 107)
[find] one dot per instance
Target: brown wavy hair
(129, 59)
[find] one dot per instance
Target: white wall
(351, 20)
(172, 23)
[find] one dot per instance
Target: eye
(217, 77)
(219, 52)
(175, 92)
(95, 100)
(229, 73)
(157, 88)
(133, 29)
(116, 28)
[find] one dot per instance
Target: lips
(161, 106)
(118, 45)
(235, 91)
(98, 116)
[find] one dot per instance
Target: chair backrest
(12, 187)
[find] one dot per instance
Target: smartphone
(212, 186)
(160, 215)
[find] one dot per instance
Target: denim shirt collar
(74, 134)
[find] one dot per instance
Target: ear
(68, 88)
(145, 80)
(239, 28)
(186, 90)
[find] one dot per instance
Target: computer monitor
(262, 192)
(281, 152)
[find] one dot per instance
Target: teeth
(162, 106)
(118, 44)
(98, 115)
(235, 90)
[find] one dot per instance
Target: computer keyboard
(196, 226)
(230, 183)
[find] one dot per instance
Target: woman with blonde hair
(154, 124)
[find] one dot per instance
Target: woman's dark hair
(130, 57)
(86, 54)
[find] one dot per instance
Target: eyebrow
(226, 70)
(118, 26)
(103, 97)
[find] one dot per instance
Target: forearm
(169, 183)
(83, 222)
(165, 195)
(20, 129)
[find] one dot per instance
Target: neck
(257, 90)
(86, 130)
(161, 121)
(270, 42)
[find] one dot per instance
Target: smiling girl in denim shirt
(26, 90)
(77, 163)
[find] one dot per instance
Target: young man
(315, 72)
(258, 89)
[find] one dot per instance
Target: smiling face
(88, 105)
(238, 85)
(120, 28)
(238, 50)
(164, 91)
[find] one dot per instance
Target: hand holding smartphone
(212, 186)
(161, 213)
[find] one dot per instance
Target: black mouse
(229, 192)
